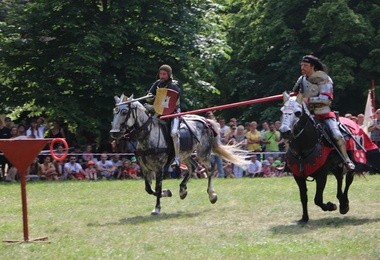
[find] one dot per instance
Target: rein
(136, 129)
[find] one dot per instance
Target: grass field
(253, 219)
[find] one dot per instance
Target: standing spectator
(230, 134)
(34, 131)
(5, 133)
(73, 170)
(21, 131)
(240, 140)
(41, 125)
(14, 132)
(374, 128)
(265, 127)
(56, 130)
(254, 168)
(105, 167)
(224, 129)
(47, 170)
(216, 159)
(90, 171)
(271, 139)
(361, 120)
(233, 121)
(253, 138)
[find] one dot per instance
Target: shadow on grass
(295, 228)
(150, 218)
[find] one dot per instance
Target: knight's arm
(298, 85)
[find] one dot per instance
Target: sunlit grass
(253, 218)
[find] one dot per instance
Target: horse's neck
(153, 132)
(305, 134)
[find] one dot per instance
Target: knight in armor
(166, 81)
(317, 87)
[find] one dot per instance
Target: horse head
(291, 113)
(125, 116)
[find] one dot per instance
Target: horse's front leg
(158, 193)
(148, 183)
(301, 182)
(318, 199)
(344, 203)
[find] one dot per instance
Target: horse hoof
(331, 206)
(155, 212)
(344, 210)
(213, 199)
(183, 195)
(302, 221)
(166, 193)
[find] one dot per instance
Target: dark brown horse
(311, 154)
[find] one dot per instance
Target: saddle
(187, 131)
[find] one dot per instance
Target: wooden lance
(221, 107)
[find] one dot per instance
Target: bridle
(132, 131)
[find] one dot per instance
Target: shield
(165, 101)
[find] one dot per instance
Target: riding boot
(341, 145)
(176, 149)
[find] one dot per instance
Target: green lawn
(253, 219)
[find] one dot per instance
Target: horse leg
(158, 193)
(212, 196)
(301, 182)
(344, 204)
(183, 186)
(318, 199)
(148, 187)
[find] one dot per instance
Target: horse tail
(230, 153)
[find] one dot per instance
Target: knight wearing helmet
(317, 87)
(166, 100)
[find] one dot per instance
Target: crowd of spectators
(264, 145)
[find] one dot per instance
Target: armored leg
(339, 142)
(175, 137)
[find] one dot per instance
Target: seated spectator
(254, 168)
(127, 171)
(47, 170)
(105, 167)
(12, 174)
(117, 163)
(33, 170)
(88, 155)
(277, 168)
(228, 169)
(73, 170)
(266, 168)
(135, 165)
(90, 171)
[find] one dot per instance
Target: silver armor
(318, 88)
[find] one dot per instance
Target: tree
(68, 59)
